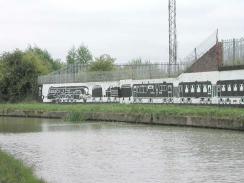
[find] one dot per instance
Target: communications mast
(172, 35)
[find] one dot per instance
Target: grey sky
(124, 29)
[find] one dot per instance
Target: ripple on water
(119, 152)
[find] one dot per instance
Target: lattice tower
(172, 33)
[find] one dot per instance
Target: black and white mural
(219, 87)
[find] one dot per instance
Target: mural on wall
(177, 90)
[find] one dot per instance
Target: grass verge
(77, 110)
(14, 171)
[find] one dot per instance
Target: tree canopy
(19, 71)
(18, 75)
(46, 57)
(103, 63)
(80, 55)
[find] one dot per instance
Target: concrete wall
(202, 122)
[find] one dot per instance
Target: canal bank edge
(191, 121)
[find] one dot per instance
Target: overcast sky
(124, 29)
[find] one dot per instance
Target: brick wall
(210, 61)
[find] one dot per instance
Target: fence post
(234, 51)
(195, 51)
(223, 45)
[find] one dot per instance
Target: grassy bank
(168, 110)
(14, 171)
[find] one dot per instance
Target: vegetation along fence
(78, 73)
(233, 52)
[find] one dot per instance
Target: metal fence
(121, 72)
(200, 52)
(233, 52)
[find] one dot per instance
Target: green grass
(14, 171)
(138, 109)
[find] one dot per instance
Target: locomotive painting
(68, 94)
(217, 87)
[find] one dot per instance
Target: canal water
(65, 152)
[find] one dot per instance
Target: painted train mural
(218, 87)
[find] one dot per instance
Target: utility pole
(172, 35)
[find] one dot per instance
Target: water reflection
(119, 152)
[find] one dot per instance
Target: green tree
(46, 57)
(18, 75)
(103, 63)
(72, 55)
(138, 61)
(80, 55)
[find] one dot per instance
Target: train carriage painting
(210, 88)
(151, 91)
(193, 90)
(228, 89)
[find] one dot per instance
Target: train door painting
(181, 90)
(209, 90)
(170, 90)
(135, 89)
(125, 91)
(156, 89)
(40, 96)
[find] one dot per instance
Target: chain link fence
(73, 74)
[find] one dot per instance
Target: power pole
(172, 35)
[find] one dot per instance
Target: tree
(46, 57)
(103, 63)
(18, 75)
(80, 55)
(138, 61)
(72, 55)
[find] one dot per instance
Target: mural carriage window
(235, 87)
(218, 88)
(223, 88)
(150, 87)
(163, 88)
(209, 88)
(143, 89)
(186, 88)
(229, 87)
(169, 88)
(192, 88)
(198, 89)
(134, 88)
(205, 90)
(241, 87)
